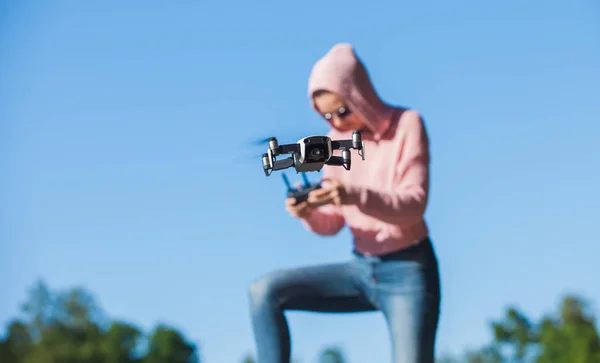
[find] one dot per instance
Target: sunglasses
(341, 113)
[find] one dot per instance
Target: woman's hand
(301, 210)
(332, 191)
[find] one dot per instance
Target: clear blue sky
(122, 126)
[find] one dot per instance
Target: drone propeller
(245, 158)
(253, 155)
(284, 137)
(260, 142)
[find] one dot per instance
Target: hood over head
(341, 71)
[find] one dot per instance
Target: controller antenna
(286, 181)
(306, 183)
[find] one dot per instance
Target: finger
(329, 181)
(317, 193)
(303, 209)
(337, 200)
(323, 198)
(301, 205)
(320, 203)
(334, 196)
(323, 194)
(315, 198)
(293, 210)
(290, 201)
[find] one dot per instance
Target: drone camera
(316, 149)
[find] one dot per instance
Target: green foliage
(168, 345)
(568, 336)
(248, 358)
(487, 354)
(68, 327)
(515, 330)
(332, 355)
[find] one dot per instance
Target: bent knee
(261, 290)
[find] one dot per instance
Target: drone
(300, 194)
(312, 153)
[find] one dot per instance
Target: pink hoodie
(388, 191)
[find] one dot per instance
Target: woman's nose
(337, 122)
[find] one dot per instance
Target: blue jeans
(404, 286)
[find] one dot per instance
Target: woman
(382, 199)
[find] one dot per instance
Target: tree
(516, 332)
(169, 346)
(486, 354)
(570, 337)
(447, 358)
(68, 327)
(120, 343)
(248, 358)
(567, 336)
(332, 355)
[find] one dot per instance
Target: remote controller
(300, 194)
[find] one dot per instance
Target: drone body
(311, 153)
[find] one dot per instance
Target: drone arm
(339, 144)
(343, 160)
(283, 164)
(289, 149)
(354, 143)
(335, 161)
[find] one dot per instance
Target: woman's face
(334, 109)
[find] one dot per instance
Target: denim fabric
(404, 286)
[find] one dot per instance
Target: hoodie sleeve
(326, 220)
(406, 203)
